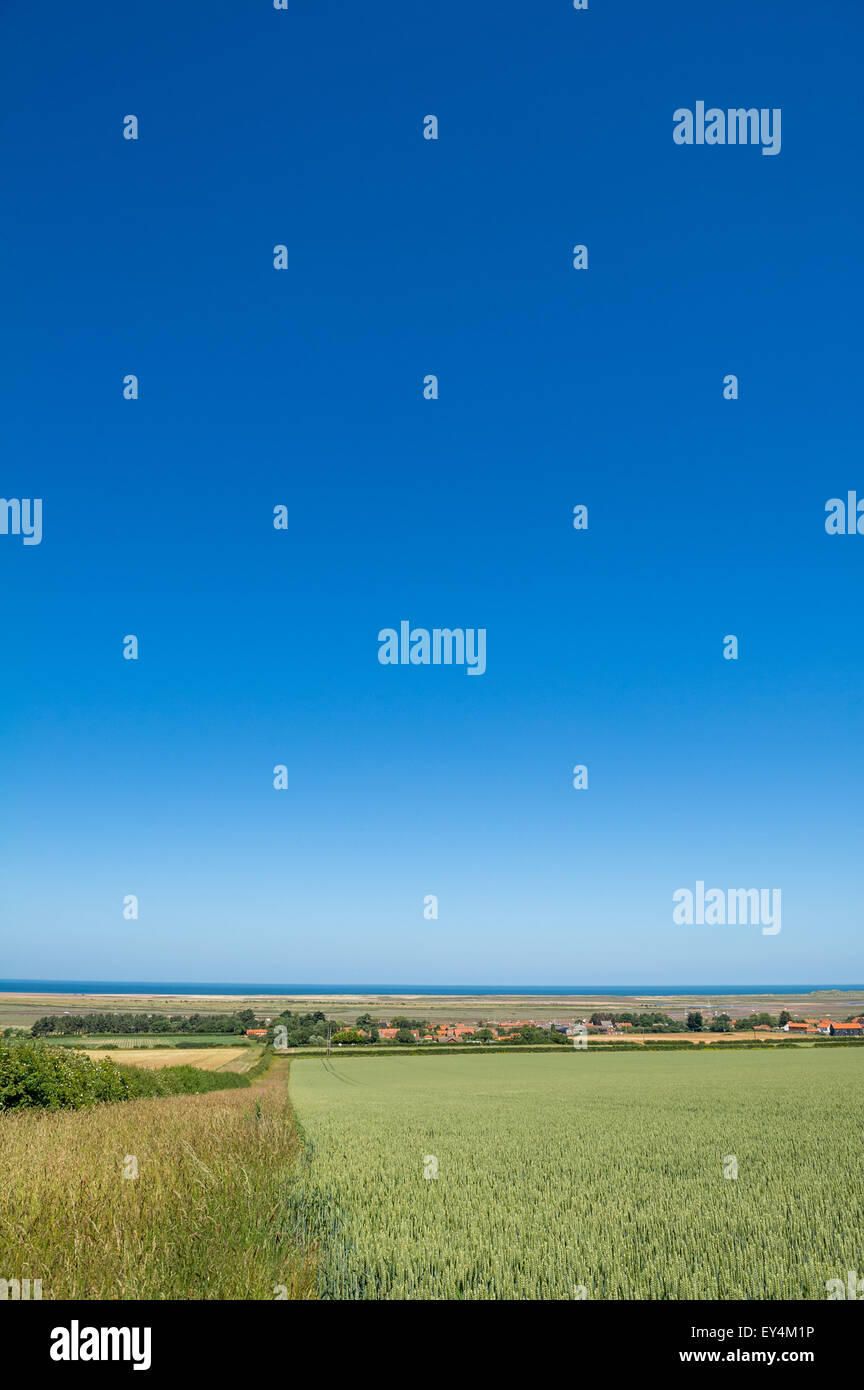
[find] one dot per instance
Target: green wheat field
(582, 1176)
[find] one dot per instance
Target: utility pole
(329, 1034)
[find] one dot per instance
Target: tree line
(658, 1022)
(93, 1024)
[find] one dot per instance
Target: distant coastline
(241, 990)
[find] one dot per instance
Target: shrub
(59, 1079)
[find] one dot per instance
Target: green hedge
(595, 1048)
(35, 1075)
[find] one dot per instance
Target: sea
(244, 987)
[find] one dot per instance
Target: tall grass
(206, 1217)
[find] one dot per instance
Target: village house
(826, 1027)
(460, 1032)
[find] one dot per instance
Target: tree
(722, 1023)
(743, 1025)
(404, 1035)
(695, 1022)
(785, 1017)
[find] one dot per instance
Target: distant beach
(237, 990)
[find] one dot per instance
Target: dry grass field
(207, 1058)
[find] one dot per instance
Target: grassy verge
(206, 1217)
(595, 1047)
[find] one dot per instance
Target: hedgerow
(59, 1079)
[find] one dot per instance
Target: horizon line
(384, 987)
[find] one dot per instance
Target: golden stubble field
(207, 1058)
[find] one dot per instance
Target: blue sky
(304, 387)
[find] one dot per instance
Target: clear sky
(304, 387)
